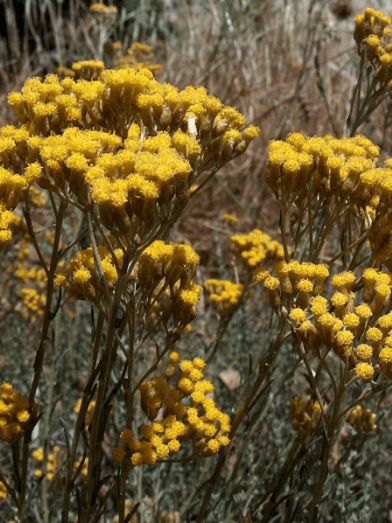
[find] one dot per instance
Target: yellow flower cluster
(86, 70)
(321, 165)
(373, 35)
(121, 97)
(230, 219)
(172, 420)
(33, 302)
(142, 182)
(53, 464)
(305, 415)
(16, 414)
(102, 9)
(33, 298)
(294, 281)
(133, 183)
(342, 172)
(170, 261)
(7, 221)
(224, 294)
(80, 276)
(357, 331)
(132, 145)
(170, 266)
(362, 420)
(12, 184)
(14, 152)
(256, 247)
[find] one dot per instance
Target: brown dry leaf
(231, 378)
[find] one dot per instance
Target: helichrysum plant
(116, 155)
(333, 301)
(327, 279)
(373, 36)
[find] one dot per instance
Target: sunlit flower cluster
(14, 151)
(373, 35)
(320, 165)
(16, 414)
(362, 420)
(171, 261)
(170, 266)
(12, 184)
(255, 247)
(102, 9)
(130, 144)
(230, 219)
(180, 412)
(81, 277)
(141, 185)
(305, 415)
(224, 294)
(85, 70)
(338, 174)
(122, 97)
(295, 281)
(356, 330)
(7, 221)
(138, 56)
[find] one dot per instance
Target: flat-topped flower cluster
(125, 142)
(340, 176)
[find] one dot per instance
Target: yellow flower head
(16, 414)
(364, 371)
(255, 247)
